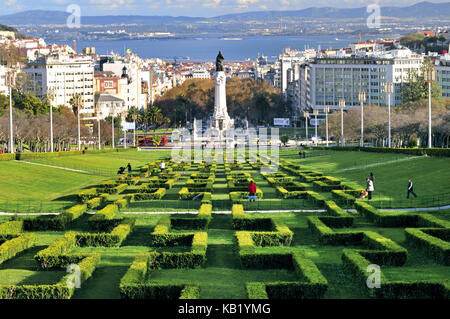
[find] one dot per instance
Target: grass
(222, 276)
(429, 174)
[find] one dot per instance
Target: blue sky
(203, 8)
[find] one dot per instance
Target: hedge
(343, 197)
(434, 246)
(12, 247)
(59, 222)
(11, 227)
(147, 194)
(111, 239)
(60, 290)
(334, 210)
(104, 217)
(237, 197)
(201, 222)
(319, 226)
(185, 194)
(87, 194)
(443, 152)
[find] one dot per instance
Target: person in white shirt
(163, 165)
(369, 188)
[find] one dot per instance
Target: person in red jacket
(252, 188)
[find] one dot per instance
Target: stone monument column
(221, 120)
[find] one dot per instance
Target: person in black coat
(129, 168)
(410, 189)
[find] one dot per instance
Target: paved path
(59, 167)
(249, 211)
(380, 163)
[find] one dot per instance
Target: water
(203, 48)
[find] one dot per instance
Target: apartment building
(67, 75)
(443, 75)
(343, 76)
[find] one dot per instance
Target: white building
(3, 87)
(342, 77)
(67, 75)
(443, 75)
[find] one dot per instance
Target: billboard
(281, 121)
(127, 125)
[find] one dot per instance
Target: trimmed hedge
(59, 222)
(237, 197)
(103, 218)
(185, 194)
(60, 290)
(426, 239)
(442, 152)
(87, 194)
(12, 247)
(11, 227)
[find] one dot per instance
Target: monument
(220, 119)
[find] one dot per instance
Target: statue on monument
(219, 62)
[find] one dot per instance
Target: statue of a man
(219, 62)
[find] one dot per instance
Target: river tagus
(204, 48)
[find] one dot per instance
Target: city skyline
(195, 8)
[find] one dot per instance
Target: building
(443, 74)
(67, 75)
(344, 76)
(3, 85)
(108, 105)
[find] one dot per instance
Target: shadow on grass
(24, 260)
(104, 284)
(139, 237)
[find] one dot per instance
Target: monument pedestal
(220, 119)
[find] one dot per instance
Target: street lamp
(10, 82)
(50, 98)
(389, 89)
(99, 115)
(124, 132)
(77, 98)
(342, 107)
(326, 109)
(315, 112)
(429, 78)
(362, 99)
(112, 113)
(306, 115)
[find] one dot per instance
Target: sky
(193, 8)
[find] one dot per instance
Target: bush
(87, 194)
(11, 227)
(102, 219)
(16, 245)
(437, 248)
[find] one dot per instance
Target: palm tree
(155, 116)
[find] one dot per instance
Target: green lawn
(431, 175)
(222, 276)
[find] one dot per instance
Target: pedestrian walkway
(379, 164)
(59, 167)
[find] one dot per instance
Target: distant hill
(8, 28)
(419, 10)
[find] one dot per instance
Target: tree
(416, 88)
(284, 139)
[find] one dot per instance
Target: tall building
(67, 75)
(343, 76)
(3, 87)
(443, 75)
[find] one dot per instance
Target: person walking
(369, 188)
(163, 166)
(129, 168)
(410, 188)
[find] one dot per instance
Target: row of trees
(258, 101)
(409, 124)
(419, 42)
(31, 125)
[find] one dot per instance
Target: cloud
(10, 2)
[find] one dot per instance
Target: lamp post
(124, 132)
(306, 115)
(77, 98)
(362, 99)
(99, 115)
(326, 109)
(112, 113)
(389, 89)
(315, 112)
(50, 98)
(10, 82)
(342, 107)
(429, 78)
